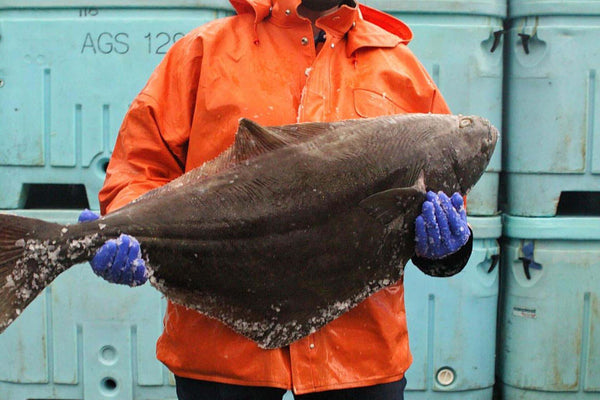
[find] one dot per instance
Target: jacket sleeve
(152, 142)
(438, 104)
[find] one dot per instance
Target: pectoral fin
(390, 204)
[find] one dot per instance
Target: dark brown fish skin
(279, 239)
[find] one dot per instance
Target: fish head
(477, 139)
(465, 145)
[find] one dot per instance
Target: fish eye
(464, 122)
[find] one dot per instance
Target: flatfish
(286, 230)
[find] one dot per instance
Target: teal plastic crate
(452, 323)
(94, 5)
(496, 8)
(84, 338)
(549, 347)
(521, 8)
(67, 77)
(552, 125)
(62, 124)
(457, 51)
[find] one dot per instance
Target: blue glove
(118, 260)
(441, 229)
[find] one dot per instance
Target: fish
(286, 230)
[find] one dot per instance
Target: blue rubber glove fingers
(434, 239)
(441, 229)
(459, 206)
(87, 215)
(128, 267)
(133, 268)
(140, 273)
(119, 261)
(441, 207)
(120, 271)
(420, 236)
(450, 228)
(427, 233)
(457, 216)
(103, 260)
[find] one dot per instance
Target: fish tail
(28, 263)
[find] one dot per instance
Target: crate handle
(494, 258)
(525, 41)
(527, 259)
(497, 37)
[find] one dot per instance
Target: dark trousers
(190, 389)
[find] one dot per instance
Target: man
(279, 62)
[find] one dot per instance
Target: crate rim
(557, 228)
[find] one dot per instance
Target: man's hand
(441, 229)
(118, 260)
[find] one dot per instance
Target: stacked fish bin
(67, 74)
(549, 345)
(452, 321)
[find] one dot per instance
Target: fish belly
(279, 287)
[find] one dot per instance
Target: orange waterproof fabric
(262, 64)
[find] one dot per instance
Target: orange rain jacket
(262, 64)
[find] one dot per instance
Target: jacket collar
(375, 28)
(260, 8)
(365, 26)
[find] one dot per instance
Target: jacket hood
(387, 23)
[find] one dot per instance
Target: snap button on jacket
(255, 65)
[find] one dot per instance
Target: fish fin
(253, 139)
(272, 137)
(296, 133)
(388, 205)
(222, 162)
(16, 274)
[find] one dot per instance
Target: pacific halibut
(286, 230)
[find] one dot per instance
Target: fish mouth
(492, 136)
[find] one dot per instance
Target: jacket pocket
(369, 103)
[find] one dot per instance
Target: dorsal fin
(252, 139)
(281, 135)
(296, 133)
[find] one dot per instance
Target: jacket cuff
(447, 266)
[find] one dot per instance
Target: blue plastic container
(452, 323)
(549, 347)
(552, 126)
(458, 43)
(67, 76)
(84, 338)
